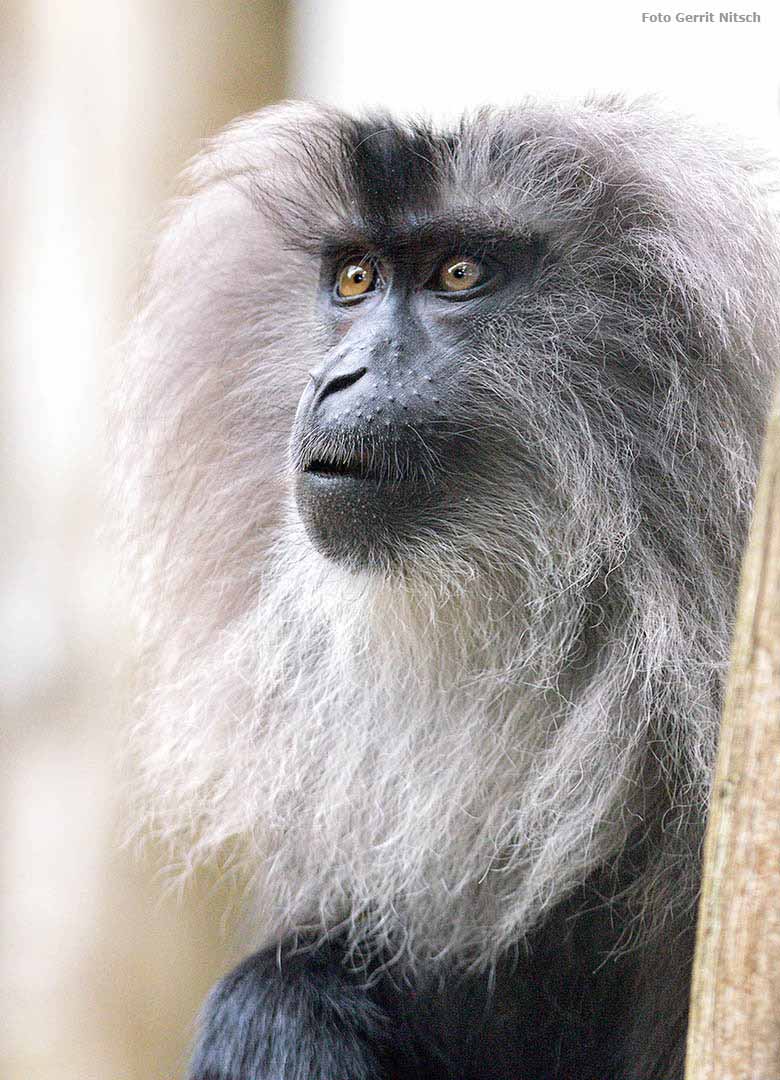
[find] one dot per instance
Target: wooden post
(734, 1031)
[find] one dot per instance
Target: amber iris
(355, 278)
(457, 275)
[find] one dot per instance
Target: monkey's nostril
(341, 382)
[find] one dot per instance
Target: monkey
(436, 448)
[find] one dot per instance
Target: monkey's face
(384, 447)
(393, 432)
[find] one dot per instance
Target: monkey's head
(439, 463)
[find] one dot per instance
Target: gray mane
(435, 757)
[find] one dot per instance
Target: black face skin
(382, 443)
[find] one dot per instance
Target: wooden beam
(734, 1031)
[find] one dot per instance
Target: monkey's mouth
(358, 461)
(355, 466)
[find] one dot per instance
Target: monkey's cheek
(360, 522)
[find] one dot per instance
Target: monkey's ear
(214, 364)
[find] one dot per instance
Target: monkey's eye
(355, 278)
(458, 275)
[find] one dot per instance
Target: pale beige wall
(441, 60)
(100, 104)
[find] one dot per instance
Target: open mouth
(356, 466)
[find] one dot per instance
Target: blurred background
(102, 962)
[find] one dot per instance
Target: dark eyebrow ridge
(460, 232)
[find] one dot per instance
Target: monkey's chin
(361, 522)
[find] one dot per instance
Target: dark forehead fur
(398, 169)
(393, 170)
